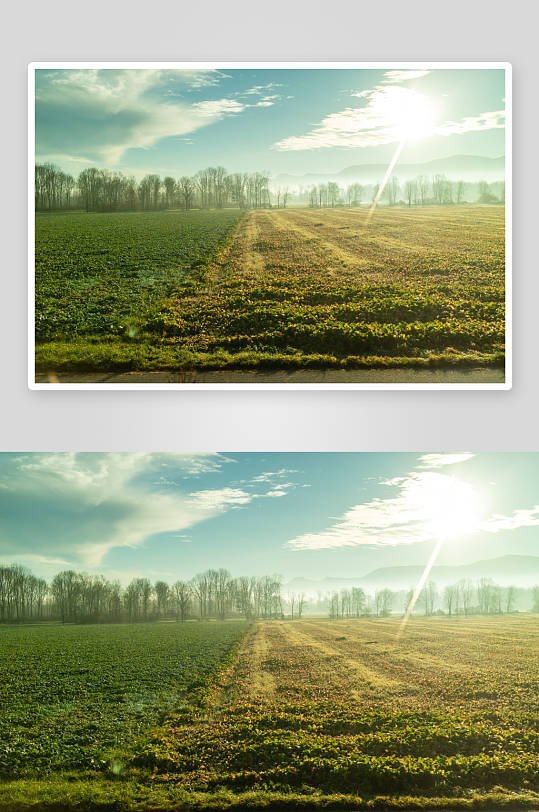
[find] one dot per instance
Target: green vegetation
(79, 697)
(294, 288)
(313, 714)
(103, 275)
(342, 707)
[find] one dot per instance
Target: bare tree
(162, 593)
(292, 602)
(428, 597)
(410, 190)
(408, 598)
(302, 604)
(170, 187)
(449, 595)
(511, 594)
(388, 600)
(460, 188)
(181, 593)
(391, 190)
(466, 589)
(439, 183)
(358, 600)
(423, 184)
(377, 601)
(484, 594)
(186, 191)
(483, 191)
(286, 195)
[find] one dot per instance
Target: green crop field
(281, 714)
(99, 277)
(79, 697)
(274, 288)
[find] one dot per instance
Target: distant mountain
(470, 168)
(522, 570)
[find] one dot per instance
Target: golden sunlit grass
(355, 718)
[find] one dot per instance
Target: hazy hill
(470, 168)
(522, 570)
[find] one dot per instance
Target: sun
(448, 504)
(408, 114)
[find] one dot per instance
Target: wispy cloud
(269, 476)
(486, 121)
(220, 500)
(427, 506)
(438, 460)
(397, 76)
(111, 499)
(387, 114)
(218, 108)
(95, 116)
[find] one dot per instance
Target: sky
(300, 120)
(168, 516)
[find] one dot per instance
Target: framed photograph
(269, 630)
(270, 225)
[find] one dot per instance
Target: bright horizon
(172, 121)
(171, 515)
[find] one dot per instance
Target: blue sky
(171, 515)
(175, 122)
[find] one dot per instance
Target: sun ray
(420, 586)
(383, 184)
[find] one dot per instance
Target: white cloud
(360, 127)
(428, 506)
(80, 506)
(218, 108)
(268, 476)
(520, 518)
(437, 460)
(397, 76)
(220, 500)
(259, 89)
(390, 114)
(94, 115)
(486, 121)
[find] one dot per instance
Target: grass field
(293, 288)
(311, 713)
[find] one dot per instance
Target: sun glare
(449, 504)
(450, 509)
(410, 115)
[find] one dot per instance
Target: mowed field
(325, 708)
(309, 288)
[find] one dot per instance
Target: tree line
(78, 597)
(100, 190)
(461, 598)
(420, 191)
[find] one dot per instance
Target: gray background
(267, 30)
